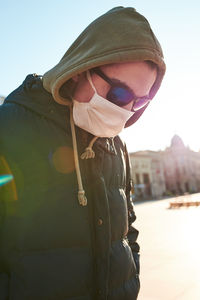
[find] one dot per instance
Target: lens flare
(5, 179)
(63, 160)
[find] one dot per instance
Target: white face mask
(99, 116)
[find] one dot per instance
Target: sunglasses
(120, 94)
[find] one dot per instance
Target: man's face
(138, 76)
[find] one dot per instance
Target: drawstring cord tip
(89, 153)
(82, 198)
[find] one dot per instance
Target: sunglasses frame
(115, 83)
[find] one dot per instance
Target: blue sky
(36, 34)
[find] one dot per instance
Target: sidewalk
(170, 250)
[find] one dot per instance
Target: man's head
(119, 43)
(106, 97)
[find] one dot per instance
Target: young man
(66, 218)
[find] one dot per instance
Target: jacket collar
(32, 95)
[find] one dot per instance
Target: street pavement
(170, 250)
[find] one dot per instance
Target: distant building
(181, 168)
(176, 170)
(148, 174)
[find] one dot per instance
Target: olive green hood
(120, 35)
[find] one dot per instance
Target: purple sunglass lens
(119, 96)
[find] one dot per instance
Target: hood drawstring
(89, 153)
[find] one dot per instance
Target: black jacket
(51, 247)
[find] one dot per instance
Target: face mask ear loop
(90, 80)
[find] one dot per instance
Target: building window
(137, 176)
(146, 178)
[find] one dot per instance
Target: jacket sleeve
(4, 279)
(133, 232)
